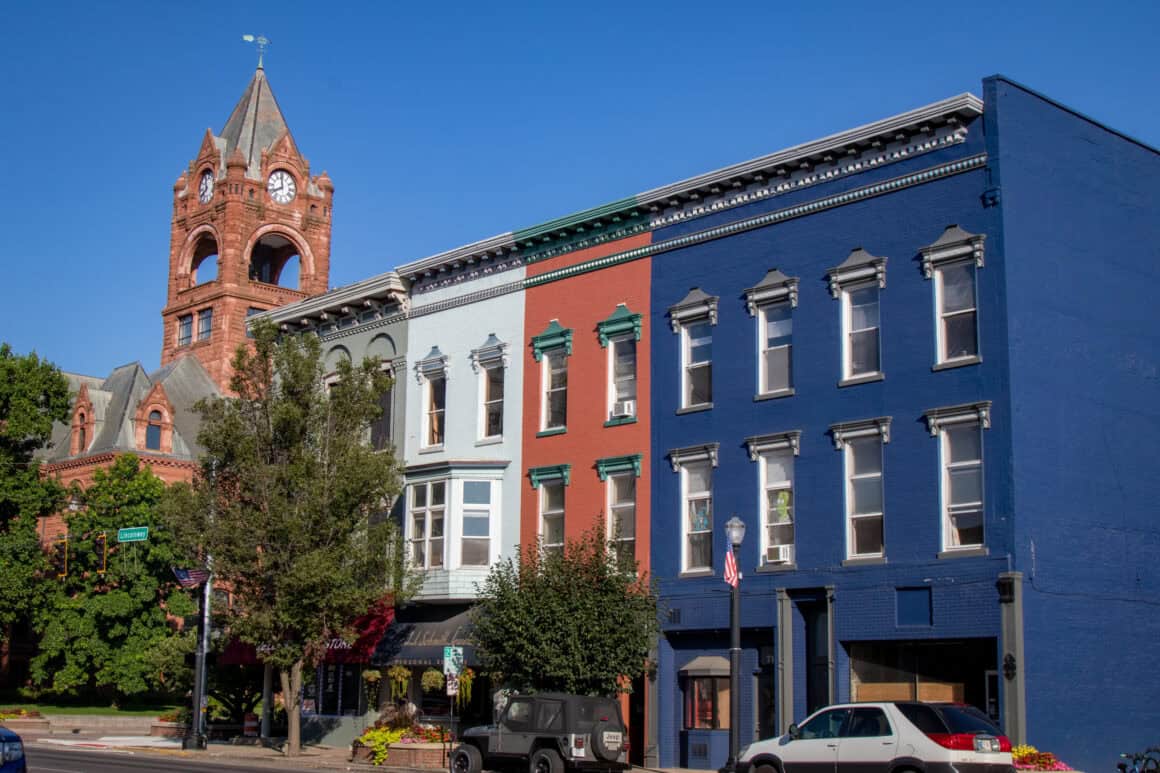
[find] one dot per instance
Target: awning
(420, 642)
(706, 665)
(368, 630)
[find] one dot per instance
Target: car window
(550, 715)
(519, 715)
(967, 719)
(923, 717)
(867, 722)
(589, 712)
(828, 724)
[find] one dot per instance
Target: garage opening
(961, 670)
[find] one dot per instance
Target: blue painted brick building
(919, 360)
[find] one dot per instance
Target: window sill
(619, 420)
(868, 561)
(971, 552)
(775, 568)
(552, 431)
(695, 408)
(865, 378)
(959, 363)
(431, 449)
(490, 441)
(695, 573)
(773, 395)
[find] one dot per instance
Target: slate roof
(255, 124)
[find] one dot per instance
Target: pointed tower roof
(255, 124)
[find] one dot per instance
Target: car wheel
(602, 750)
(765, 767)
(546, 761)
(466, 759)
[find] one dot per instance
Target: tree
(290, 504)
(108, 625)
(33, 394)
(580, 621)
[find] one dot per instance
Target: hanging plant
(432, 680)
(400, 677)
(466, 677)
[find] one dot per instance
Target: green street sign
(136, 534)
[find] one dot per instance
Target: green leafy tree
(108, 623)
(580, 621)
(290, 504)
(33, 394)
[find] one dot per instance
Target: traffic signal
(101, 548)
(60, 557)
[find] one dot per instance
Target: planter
(27, 725)
(168, 729)
(407, 755)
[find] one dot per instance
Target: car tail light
(960, 741)
(627, 746)
(1004, 743)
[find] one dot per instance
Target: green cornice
(615, 464)
(619, 322)
(554, 336)
(538, 475)
(581, 230)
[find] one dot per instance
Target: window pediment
(954, 244)
(491, 353)
(621, 321)
(682, 456)
(937, 418)
(775, 287)
(617, 464)
(554, 336)
(859, 266)
(549, 473)
(851, 430)
(778, 441)
(695, 305)
(433, 364)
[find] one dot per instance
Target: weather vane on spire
(262, 41)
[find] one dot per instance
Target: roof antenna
(262, 41)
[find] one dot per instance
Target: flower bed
(1027, 757)
(417, 746)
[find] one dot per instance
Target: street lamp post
(735, 530)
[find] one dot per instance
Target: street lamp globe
(735, 530)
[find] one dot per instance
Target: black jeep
(547, 733)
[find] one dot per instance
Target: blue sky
(443, 123)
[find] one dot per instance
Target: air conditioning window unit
(779, 554)
(622, 408)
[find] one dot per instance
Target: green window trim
(552, 431)
(553, 337)
(615, 464)
(619, 420)
(539, 475)
(619, 322)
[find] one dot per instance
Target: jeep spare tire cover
(607, 740)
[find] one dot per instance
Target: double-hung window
(552, 349)
(551, 483)
(619, 334)
(960, 433)
(857, 282)
(695, 467)
(184, 330)
(432, 373)
(381, 426)
(153, 432)
(771, 302)
(774, 455)
(619, 474)
(204, 324)
(861, 444)
(428, 510)
(490, 362)
(693, 319)
(953, 262)
(475, 549)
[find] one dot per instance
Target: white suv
(888, 737)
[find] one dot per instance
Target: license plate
(612, 739)
(984, 743)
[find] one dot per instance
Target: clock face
(281, 187)
(205, 187)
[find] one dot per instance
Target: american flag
(732, 576)
(190, 578)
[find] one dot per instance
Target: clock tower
(250, 232)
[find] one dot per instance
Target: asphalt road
(42, 759)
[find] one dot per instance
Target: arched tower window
(82, 435)
(204, 265)
(275, 260)
(153, 432)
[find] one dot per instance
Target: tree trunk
(292, 700)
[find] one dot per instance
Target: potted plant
(466, 677)
(400, 677)
(432, 680)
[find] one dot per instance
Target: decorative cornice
(937, 418)
(621, 321)
(448, 466)
(774, 287)
(433, 364)
(859, 266)
(695, 305)
(553, 472)
(702, 453)
(615, 464)
(777, 441)
(849, 430)
(553, 337)
(954, 244)
(491, 352)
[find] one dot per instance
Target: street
(42, 759)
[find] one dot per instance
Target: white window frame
(879, 430)
(954, 248)
(488, 358)
(783, 444)
(682, 459)
(544, 514)
(848, 331)
(763, 389)
(687, 364)
(859, 271)
(940, 421)
(546, 389)
(428, 510)
(613, 395)
(475, 510)
(612, 506)
(430, 368)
